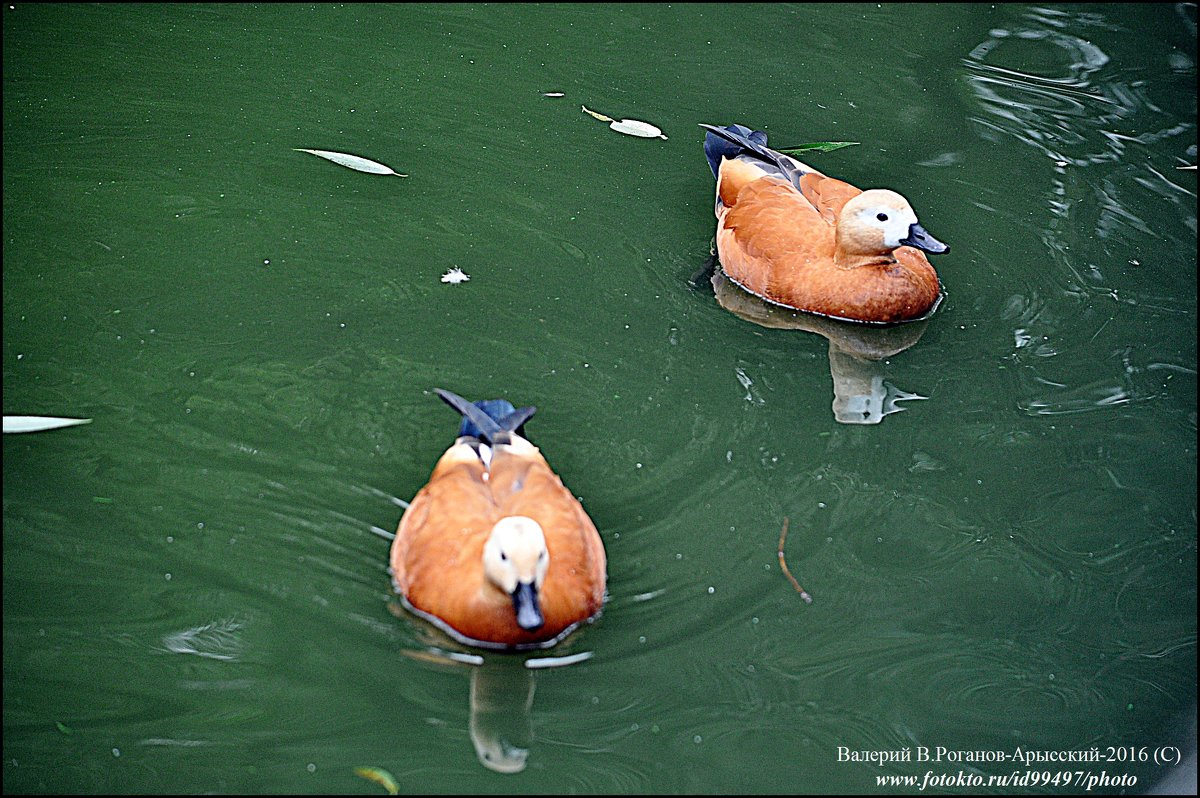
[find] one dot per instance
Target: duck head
(875, 223)
(515, 559)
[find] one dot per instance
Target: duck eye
(881, 217)
(503, 557)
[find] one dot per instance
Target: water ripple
(1043, 82)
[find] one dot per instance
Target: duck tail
(493, 421)
(735, 140)
(732, 141)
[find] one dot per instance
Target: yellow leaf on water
(595, 115)
(380, 777)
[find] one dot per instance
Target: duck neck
(858, 260)
(853, 249)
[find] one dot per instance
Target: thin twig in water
(783, 564)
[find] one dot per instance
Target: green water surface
(196, 595)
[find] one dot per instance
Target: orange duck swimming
(795, 237)
(494, 549)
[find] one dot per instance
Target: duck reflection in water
(500, 697)
(860, 395)
(501, 725)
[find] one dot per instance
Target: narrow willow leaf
(380, 777)
(632, 127)
(353, 162)
(64, 728)
(818, 146)
(39, 423)
(595, 115)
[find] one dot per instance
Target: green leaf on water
(380, 777)
(39, 423)
(64, 728)
(353, 162)
(818, 146)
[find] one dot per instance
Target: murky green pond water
(195, 588)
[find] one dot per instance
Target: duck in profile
(494, 549)
(792, 236)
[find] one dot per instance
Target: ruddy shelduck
(494, 549)
(795, 237)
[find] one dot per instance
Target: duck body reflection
(501, 692)
(856, 351)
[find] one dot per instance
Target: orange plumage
(480, 490)
(793, 236)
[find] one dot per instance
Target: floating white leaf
(455, 275)
(353, 162)
(553, 94)
(40, 423)
(630, 127)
